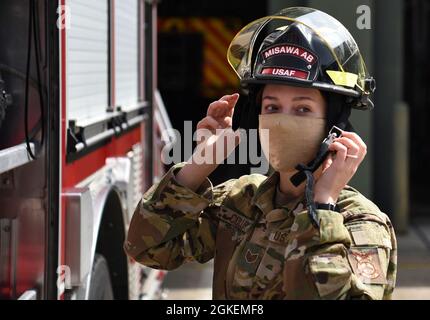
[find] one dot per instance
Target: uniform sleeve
(348, 257)
(173, 224)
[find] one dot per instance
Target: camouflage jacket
(263, 250)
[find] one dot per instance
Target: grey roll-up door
(126, 53)
(87, 59)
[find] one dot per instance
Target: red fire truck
(80, 134)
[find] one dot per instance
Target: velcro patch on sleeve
(366, 265)
(370, 234)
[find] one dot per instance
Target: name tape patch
(286, 72)
(290, 50)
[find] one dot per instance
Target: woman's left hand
(340, 167)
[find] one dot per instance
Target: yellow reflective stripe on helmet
(342, 78)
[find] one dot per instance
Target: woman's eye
(271, 108)
(303, 109)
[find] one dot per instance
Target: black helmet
(304, 47)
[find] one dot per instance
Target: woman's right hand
(213, 131)
(219, 114)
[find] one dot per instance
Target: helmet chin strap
(305, 171)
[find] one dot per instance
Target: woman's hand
(219, 114)
(340, 167)
(212, 148)
(216, 139)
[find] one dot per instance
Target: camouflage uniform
(264, 250)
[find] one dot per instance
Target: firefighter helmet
(304, 47)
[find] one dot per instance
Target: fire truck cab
(80, 133)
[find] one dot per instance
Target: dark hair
(338, 111)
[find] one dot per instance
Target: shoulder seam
(224, 197)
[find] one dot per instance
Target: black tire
(100, 283)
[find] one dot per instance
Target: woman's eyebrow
(270, 98)
(302, 98)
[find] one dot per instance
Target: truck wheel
(100, 283)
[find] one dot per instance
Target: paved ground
(413, 278)
(194, 281)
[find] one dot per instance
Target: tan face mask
(290, 140)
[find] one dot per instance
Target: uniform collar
(265, 196)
